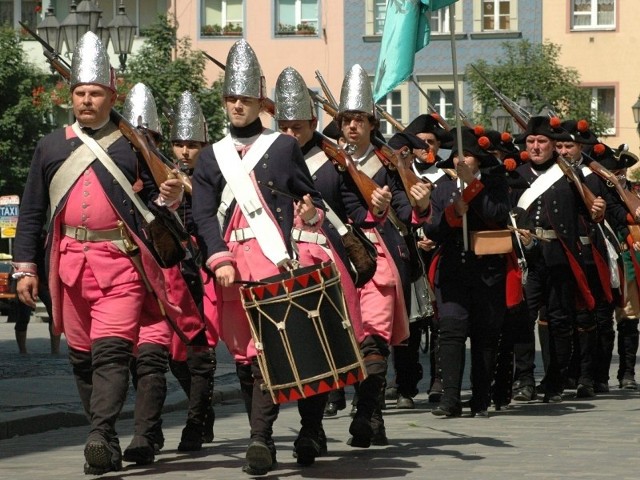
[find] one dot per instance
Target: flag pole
(456, 107)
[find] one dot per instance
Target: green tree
(23, 117)
(532, 71)
(169, 66)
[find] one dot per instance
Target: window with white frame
(442, 101)
(603, 101)
(590, 14)
(392, 104)
(439, 20)
(26, 11)
(222, 17)
(296, 16)
(379, 14)
(496, 15)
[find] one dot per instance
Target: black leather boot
(587, 344)
(151, 366)
(627, 350)
(200, 417)
(83, 373)
(369, 392)
(110, 379)
(308, 445)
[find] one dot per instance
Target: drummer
(295, 117)
(245, 230)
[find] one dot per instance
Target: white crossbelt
(241, 234)
(547, 234)
(373, 238)
(300, 235)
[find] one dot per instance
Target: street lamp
(636, 113)
(49, 29)
(89, 12)
(501, 120)
(103, 33)
(122, 30)
(73, 27)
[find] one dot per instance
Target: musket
(161, 168)
(432, 110)
(342, 160)
(587, 195)
(509, 105)
(631, 201)
(387, 116)
(461, 114)
(325, 89)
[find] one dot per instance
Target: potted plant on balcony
(234, 29)
(211, 30)
(305, 28)
(285, 29)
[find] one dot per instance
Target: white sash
(585, 170)
(236, 172)
(540, 185)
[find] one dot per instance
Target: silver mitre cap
(188, 123)
(140, 108)
(293, 101)
(243, 75)
(356, 92)
(90, 63)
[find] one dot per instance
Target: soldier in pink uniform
(107, 287)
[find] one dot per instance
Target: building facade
(598, 39)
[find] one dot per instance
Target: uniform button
(131, 212)
(266, 156)
(463, 261)
(114, 181)
(86, 194)
(84, 205)
(315, 177)
(555, 210)
(463, 253)
(264, 165)
(270, 183)
(87, 183)
(86, 172)
(281, 219)
(85, 249)
(84, 217)
(246, 248)
(124, 202)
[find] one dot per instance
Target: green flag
(406, 30)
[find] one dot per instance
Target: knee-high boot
(627, 350)
(110, 359)
(151, 366)
(369, 391)
(180, 370)
(246, 385)
(604, 352)
(82, 372)
(309, 443)
(587, 345)
(200, 418)
(261, 453)
(560, 350)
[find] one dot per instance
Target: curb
(39, 420)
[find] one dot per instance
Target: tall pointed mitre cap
(356, 94)
(243, 75)
(189, 123)
(90, 63)
(292, 98)
(140, 108)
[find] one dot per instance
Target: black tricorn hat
(502, 142)
(578, 131)
(427, 123)
(405, 139)
(610, 159)
(476, 145)
(549, 127)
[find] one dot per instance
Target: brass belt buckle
(84, 235)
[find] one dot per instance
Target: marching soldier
(100, 264)
(245, 230)
(385, 298)
(556, 277)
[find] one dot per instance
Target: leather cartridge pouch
(491, 242)
(362, 255)
(634, 230)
